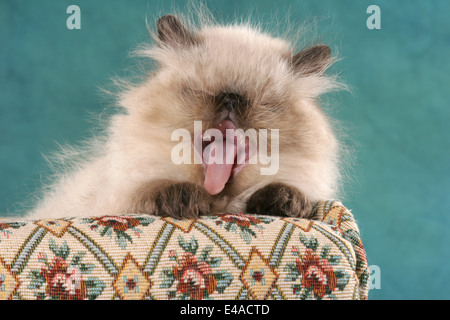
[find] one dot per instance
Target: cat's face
(236, 78)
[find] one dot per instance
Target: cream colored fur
(137, 147)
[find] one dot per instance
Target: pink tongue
(217, 175)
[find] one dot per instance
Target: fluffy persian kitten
(220, 77)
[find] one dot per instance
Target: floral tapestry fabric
(227, 256)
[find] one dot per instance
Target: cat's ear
(313, 60)
(172, 32)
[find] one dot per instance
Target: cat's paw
(279, 199)
(172, 199)
(182, 200)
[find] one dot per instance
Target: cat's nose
(229, 104)
(230, 101)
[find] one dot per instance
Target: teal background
(397, 117)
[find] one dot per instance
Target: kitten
(224, 77)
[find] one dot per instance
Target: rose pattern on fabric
(317, 273)
(240, 219)
(194, 274)
(243, 224)
(4, 226)
(38, 261)
(194, 279)
(63, 280)
(118, 227)
(120, 223)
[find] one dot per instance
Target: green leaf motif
(145, 221)
(168, 278)
(94, 287)
(62, 252)
(310, 243)
(292, 272)
(37, 280)
(308, 294)
(86, 268)
(342, 277)
(125, 235)
(121, 242)
(76, 259)
(39, 295)
(247, 234)
(122, 238)
(334, 260)
(205, 253)
(105, 230)
(223, 279)
(325, 250)
(190, 246)
(214, 262)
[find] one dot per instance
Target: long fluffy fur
(136, 146)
